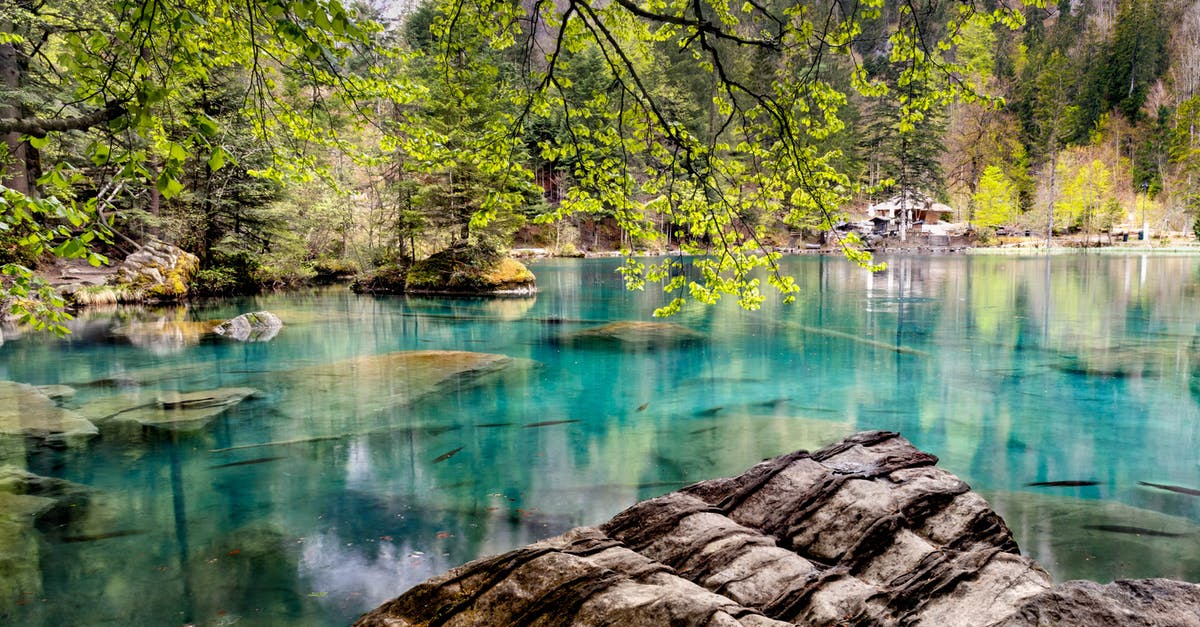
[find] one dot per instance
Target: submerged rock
(26, 410)
(57, 393)
(25, 500)
(361, 386)
(260, 326)
(866, 531)
(635, 334)
(20, 555)
(169, 410)
(1063, 533)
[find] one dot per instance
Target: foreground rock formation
(866, 532)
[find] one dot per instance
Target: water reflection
(358, 469)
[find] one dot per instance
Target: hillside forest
(288, 141)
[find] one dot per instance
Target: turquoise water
(322, 496)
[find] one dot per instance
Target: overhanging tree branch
(40, 127)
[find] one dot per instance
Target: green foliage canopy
(769, 150)
(123, 84)
(996, 199)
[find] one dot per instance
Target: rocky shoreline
(867, 531)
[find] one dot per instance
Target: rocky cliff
(867, 531)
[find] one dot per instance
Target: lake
(348, 477)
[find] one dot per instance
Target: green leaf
(207, 125)
(100, 154)
(217, 160)
(39, 142)
(168, 186)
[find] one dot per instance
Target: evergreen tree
(1136, 56)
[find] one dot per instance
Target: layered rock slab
(866, 531)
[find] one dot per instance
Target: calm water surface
(1012, 371)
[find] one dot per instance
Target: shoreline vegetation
(84, 286)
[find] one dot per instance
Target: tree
(1086, 200)
(1185, 153)
(1137, 55)
(995, 200)
(457, 138)
(122, 84)
(770, 152)
(764, 148)
(1053, 118)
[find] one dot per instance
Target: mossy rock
(158, 272)
(466, 270)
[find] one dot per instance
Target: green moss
(468, 270)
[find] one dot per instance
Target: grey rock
(1126, 603)
(865, 531)
(260, 326)
(57, 393)
(25, 500)
(158, 272)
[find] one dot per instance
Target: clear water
(1012, 371)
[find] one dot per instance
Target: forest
(283, 142)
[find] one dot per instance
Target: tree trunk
(15, 165)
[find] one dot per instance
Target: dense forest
(282, 141)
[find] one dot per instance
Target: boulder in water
(362, 386)
(865, 531)
(469, 270)
(259, 326)
(166, 335)
(57, 393)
